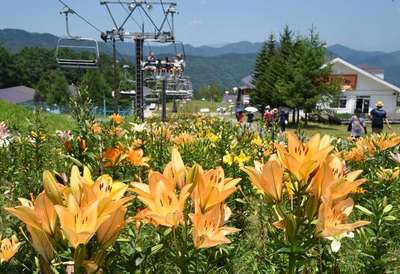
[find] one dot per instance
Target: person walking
(268, 116)
(282, 119)
(357, 125)
(378, 117)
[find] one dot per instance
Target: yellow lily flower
(209, 229)
(241, 159)
(165, 206)
(228, 159)
(79, 224)
(267, 179)
(8, 248)
(302, 159)
(77, 181)
(52, 188)
(212, 188)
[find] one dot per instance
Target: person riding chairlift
(151, 62)
(179, 64)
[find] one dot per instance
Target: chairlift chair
(77, 46)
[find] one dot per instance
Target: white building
(362, 88)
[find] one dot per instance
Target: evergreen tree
(262, 76)
(293, 74)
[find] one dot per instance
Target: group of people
(357, 126)
(270, 116)
(176, 66)
(275, 116)
(241, 117)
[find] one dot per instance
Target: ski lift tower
(158, 35)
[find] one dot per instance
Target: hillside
(226, 64)
(17, 117)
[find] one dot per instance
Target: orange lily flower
(332, 218)
(302, 159)
(79, 224)
(184, 138)
(41, 243)
(135, 157)
(96, 128)
(356, 154)
(388, 175)
(39, 214)
(212, 188)
(267, 179)
(82, 144)
(165, 206)
(331, 182)
(176, 170)
(384, 142)
(8, 248)
(117, 119)
(209, 229)
(112, 156)
(108, 232)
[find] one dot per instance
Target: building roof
(17, 95)
(365, 73)
(372, 70)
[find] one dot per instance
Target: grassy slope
(17, 116)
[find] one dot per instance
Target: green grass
(18, 117)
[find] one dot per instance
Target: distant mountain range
(226, 64)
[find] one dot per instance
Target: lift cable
(80, 16)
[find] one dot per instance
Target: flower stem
(292, 263)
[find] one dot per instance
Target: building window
(342, 102)
(338, 102)
(398, 100)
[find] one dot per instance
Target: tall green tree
(53, 89)
(293, 75)
(97, 87)
(7, 69)
(33, 63)
(263, 76)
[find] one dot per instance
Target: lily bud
(311, 208)
(51, 188)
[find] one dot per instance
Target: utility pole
(115, 84)
(139, 42)
(164, 100)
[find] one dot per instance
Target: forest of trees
(291, 73)
(37, 68)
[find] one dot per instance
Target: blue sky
(360, 24)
